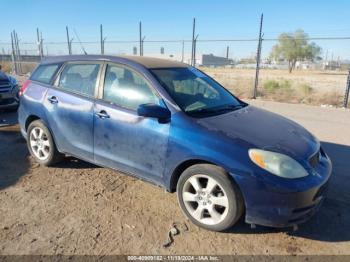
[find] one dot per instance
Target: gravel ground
(78, 208)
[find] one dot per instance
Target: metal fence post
(193, 41)
(142, 41)
(258, 54)
(40, 43)
(194, 51)
(38, 40)
(101, 39)
(347, 89)
(68, 42)
(13, 54)
(140, 32)
(183, 51)
(19, 65)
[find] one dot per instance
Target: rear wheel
(41, 145)
(209, 198)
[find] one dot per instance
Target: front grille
(5, 86)
(315, 159)
(303, 209)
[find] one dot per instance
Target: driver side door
(124, 140)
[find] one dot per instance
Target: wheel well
(182, 167)
(30, 119)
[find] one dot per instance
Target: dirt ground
(78, 208)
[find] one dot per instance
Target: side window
(45, 73)
(79, 78)
(126, 88)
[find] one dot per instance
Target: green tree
(295, 47)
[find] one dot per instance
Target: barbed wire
(184, 40)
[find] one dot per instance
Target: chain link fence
(232, 62)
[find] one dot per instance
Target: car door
(70, 105)
(122, 139)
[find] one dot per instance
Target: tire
(213, 207)
(41, 144)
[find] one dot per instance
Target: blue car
(172, 125)
(8, 92)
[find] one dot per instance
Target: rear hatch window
(45, 73)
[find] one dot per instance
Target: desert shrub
(333, 98)
(273, 86)
(305, 89)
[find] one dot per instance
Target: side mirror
(155, 111)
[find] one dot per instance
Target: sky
(172, 20)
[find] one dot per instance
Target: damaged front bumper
(277, 202)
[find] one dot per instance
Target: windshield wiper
(219, 109)
(228, 108)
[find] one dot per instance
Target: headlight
(277, 164)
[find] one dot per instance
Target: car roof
(148, 62)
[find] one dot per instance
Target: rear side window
(45, 73)
(80, 78)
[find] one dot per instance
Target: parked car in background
(170, 124)
(8, 92)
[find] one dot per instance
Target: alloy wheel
(205, 199)
(39, 143)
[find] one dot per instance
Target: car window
(196, 93)
(79, 78)
(127, 88)
(45, 73)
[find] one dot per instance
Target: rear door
(124, 140)
(70, 105)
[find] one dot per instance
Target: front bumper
(9, 100)
(279, 202)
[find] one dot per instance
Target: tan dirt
(78, 208)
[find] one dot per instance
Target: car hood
(265, 130)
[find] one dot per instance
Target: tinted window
(80, 78)
(126, 88)
(45, 73)
(195, 92)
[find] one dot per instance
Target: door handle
(53, 100)
(102, 114)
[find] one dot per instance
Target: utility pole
(193, 43)
(227, 51)
(258, 54)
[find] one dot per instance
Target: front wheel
(41, 145)
(208, 197)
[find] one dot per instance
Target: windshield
(196, 93)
